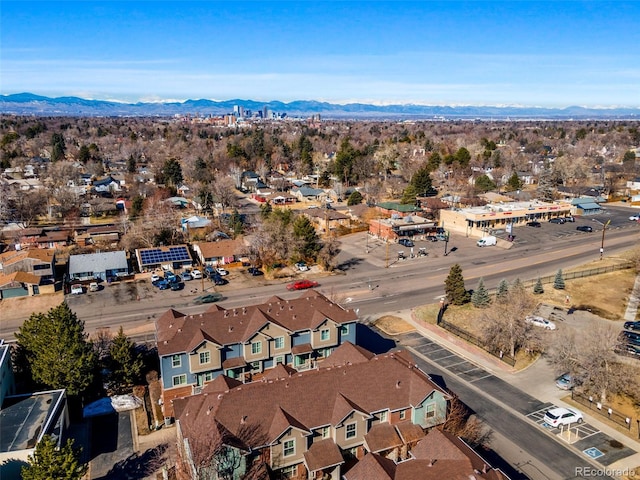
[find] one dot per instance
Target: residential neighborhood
(287, 299)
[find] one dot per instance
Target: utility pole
(604, 228)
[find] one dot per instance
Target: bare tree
(462, 422)
(504, 326)
(590, 357)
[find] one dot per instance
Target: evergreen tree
(463, 157)
(131, 164)
(126, 363)
(502, 291)
(265, 210)
(517, 285)
(355, 198)
(172, 172)
(235, 223)
(485, 184)
(514, 182)
(308, 243)
(58, 147)
(480, 297)
(56, 351)
(547, 184)
(49, 462)
(538, 289)
(421, 181)
(409, 195)
(558, 282)
(457, 294)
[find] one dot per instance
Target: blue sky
(509, 52)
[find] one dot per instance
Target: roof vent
(286, 385)
(398, 384)
(230, 328)
(220, 396)
(294, 316)
(243, 420)
(226, 314)
(268, 310)
(209, 411)
(290, 307)
(179, 330)
(200, 315)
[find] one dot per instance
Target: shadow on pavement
(136, 467)
(372, 340)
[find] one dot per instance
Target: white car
(540, 322)
(196, 274)
(77, 289)
(301, 266)
(562, 416)
(155, 277)
(222, 271)
(635, 218)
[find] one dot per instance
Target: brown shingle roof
(409, 432)
(279, 372)
(372, 466)
(382, 436)
(176, 331)
(221, 248)
(19, 277)
(313, 398)
(42, 254)
(347, 353)
(323, 454)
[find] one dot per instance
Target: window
(208, 376)
(255, 366)
(403, 414)
(324, 334)
(430, 411)
(325, 432)
(256, 348)
(279, 359)
(383, 416)
(205, 357)
(179, 380)
(289, 448)
(42, 266)
(344, 330)
(350, 431)
(176, 361)
(289, 472)
(279, 343)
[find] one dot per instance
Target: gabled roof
(346, 354)
(381, 437)
(238, 325)
(19, 277)
(221, 383)
(323, 454)
(42, 254)
(310, 399)
(373, 466)
(221, 248)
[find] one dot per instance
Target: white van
(487, 241)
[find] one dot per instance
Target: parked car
(209, 271)
(208, 298)
(562, 416)
(77, 289)
(635, 218)
(255, 271)
(163, 285)
(154, 278)
(406, 242)
(630, 337)
(540, 322)
(302, 285)
(196, 274)
(432, 238)
(630, 350)
(534, 224)
(565, 382)
(175, 286)
(632, 325)
(301, 266)
(94, 287)
(558, 220)
(222, 271)
(569, 219)
(186, 276)
(584, 228)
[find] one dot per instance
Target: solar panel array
(153, 256)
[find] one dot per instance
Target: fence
(580, 273)
(470, 338)
(602, 409)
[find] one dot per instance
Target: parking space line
(481, 378)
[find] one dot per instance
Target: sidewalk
(544, 391)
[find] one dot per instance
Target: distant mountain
(30, 104)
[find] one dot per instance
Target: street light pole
(604, 228)
(446, 241)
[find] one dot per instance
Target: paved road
(512, 413)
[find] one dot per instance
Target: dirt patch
(392, 325)
(23, 307)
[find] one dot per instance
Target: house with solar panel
(174, 257)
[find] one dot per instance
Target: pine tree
(454, 286)
(308, 243)
(558, 282)
(56, 351)
(480, 297)
(502, 291)
(537, 288)
(126, 364)
(49, 462)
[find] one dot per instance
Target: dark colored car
(208, 298)
(557, 220)
(584, 228)
(175, 286)
(534, 224)
(163, 285)
(406, 242)
(302, 285)
(432, 239)
(254, 271)
(632, 325)
(218, 280)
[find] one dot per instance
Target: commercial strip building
(481, 221)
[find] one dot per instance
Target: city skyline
(548, 54)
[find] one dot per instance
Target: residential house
(38, 237)
(40, 262)
(586, 205)
(222, 252)
(326, 220)
(308, 194)
(106, 185)
(173, 257)
(194, 223)
(437, 455)
(105, 266)
(19, 284)
(93, 235)
(310, 424)
(26, 419)
(244, 342)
